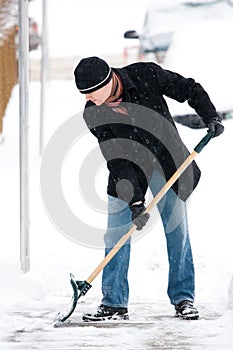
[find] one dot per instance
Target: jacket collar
(128, 83)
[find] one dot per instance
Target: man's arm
(121, 169)
(183, 89)
(124, 176)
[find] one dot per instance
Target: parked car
(161, 22)
(34, 36)
(204, 51)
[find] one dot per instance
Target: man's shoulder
(141, 66)
(141, 70)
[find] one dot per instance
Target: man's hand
(138, 218)
(215, 125)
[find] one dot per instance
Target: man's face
(98, 97)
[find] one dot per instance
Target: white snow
(29, 302)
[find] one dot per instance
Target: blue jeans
(172, 210)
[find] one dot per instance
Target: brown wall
(8, 69)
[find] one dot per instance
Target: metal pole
(44, 62)
(23, 134)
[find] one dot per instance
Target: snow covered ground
(29, 302)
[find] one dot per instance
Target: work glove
(139, 219)
(215, 125)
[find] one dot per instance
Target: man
(128, 114)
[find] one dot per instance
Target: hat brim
(98, 86)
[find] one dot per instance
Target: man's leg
(115, 287)
(181, 269)
(115, 274)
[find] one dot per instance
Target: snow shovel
(80, 288)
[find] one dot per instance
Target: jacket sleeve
(122, 172)
(183, 89)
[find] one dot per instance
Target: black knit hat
(91, 74)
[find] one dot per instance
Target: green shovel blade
(80, 288)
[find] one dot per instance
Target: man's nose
(88, 96)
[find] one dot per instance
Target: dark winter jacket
(147, 139)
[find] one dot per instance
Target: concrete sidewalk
(162, 331)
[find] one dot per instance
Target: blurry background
(193, 38)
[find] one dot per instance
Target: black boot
(186, 310)
(107, 313)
